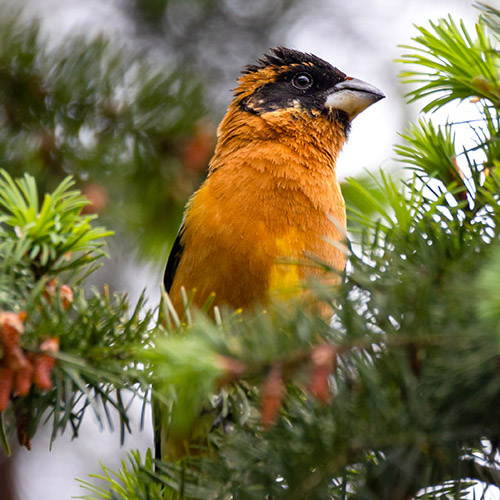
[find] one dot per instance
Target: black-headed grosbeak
(272, 189)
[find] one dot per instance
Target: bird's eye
(303, 81)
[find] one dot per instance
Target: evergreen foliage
(61, 351)
(115, 120)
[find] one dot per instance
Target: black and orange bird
(272, 190)
(270, 196)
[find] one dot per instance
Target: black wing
(173, 261)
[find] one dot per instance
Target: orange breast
(245, 226)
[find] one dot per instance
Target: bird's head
(288, 85)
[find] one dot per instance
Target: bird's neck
(295, 153)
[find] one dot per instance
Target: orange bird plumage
(271, 188)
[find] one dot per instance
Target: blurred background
(126, 96)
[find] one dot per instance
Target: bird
(271, 199)
(272, 190)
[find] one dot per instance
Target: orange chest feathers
(253, 221)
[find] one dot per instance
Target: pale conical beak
(353, 96)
